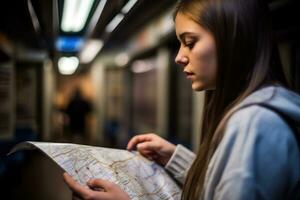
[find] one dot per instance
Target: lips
(189, 75)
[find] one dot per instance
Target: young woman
(248, 151)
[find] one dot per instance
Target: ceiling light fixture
(90, 50)
(128, 6)
(119, 17)
(114, 22)
(96, 16)
(68, 65)
(34, 19)
(75, 14)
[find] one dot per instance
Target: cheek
(206, 60)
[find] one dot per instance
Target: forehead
(184, 23)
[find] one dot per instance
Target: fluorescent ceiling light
(90, 50)
(68, 65)
(118, 18)
(75, 14)
(34, 19)
(128, 6)
(96, 16)
(114, 23)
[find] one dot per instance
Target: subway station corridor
(98, 72)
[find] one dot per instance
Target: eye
(189, 44)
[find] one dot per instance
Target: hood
(280, 98)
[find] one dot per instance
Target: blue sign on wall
(69, 44)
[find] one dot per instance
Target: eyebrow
(182, 36)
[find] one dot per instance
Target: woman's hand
(152, 147)
(101, 189)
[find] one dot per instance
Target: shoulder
(254, 138)
(260, 131)
(258, 119)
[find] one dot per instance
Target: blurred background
(98, 72)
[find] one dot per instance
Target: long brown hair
(247, 60)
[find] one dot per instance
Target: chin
(196, 86)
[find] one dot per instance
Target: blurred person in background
(77, 112)
(248, 149)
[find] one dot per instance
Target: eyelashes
(189, 45)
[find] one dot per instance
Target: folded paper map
(139, 177)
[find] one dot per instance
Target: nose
(181, 59)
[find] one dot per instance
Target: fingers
(97, 184)
(91, 191)
(149, 150)
(139, 139)
(108, 191)
(77, 188)
(148, 146)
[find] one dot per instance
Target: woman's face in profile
(197, 53)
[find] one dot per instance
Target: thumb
(99, 184)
